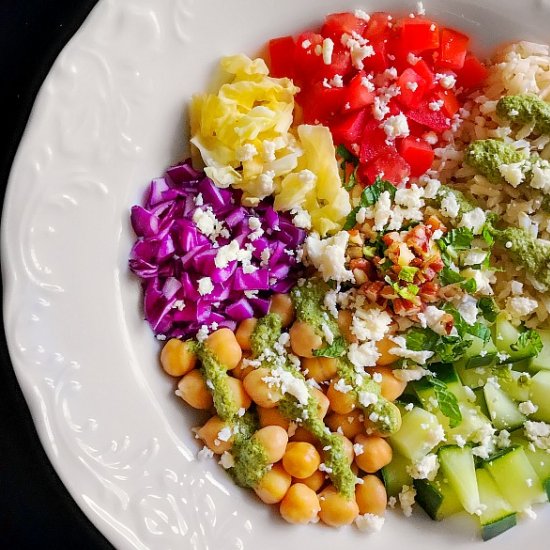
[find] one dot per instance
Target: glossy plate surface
(109, 118)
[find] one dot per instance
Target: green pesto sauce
(250, 457)
(308, 301)
(487, 155)
(335, 460)
(215, 373)
(533, 254)
(386, 415)
(266, 333)
(524, 109)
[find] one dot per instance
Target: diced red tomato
(307, 62)
(357, 95)
(419, 35)
(451, 104)
(378, 27)
(473, 73)
(373, 142)
(348, 130)
(340, 65)
(418, 154)
(434, 120)
(337, 24)
(423, 69)
(378, 62)
(413, 88)
(454, 46)
(320, 104)
(392, 166)
(281, 57)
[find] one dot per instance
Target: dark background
(36, 510)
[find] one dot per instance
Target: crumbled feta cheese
(520, 306)
(434, 318)
(342, 387)
(225, 434)
(337, 81)
(380, 108)
(369, 523)
(330, 301)
(227, 460)
(377, 377)
(410, 374)
(359, 49)
(246, 152)
(227, 254)
(412, 86)
(205, 453)
(324, 468)
(396, 126)
(199, 200)
(382, 211)
(446, 81)
(541, 178)
(538, 433)
(206, 221)
(401, 350)
(301, 218)
(367, 83)
(460, 440)
(425, 468)
(412, 59)
(474, 256)
(502, 440)
(406, 499)
(366, 398)
(527, 408)
(516, 287)
(328, 48)
(358, 449)
(420, 9)
(329, 256)
(450, 206)
(364, 355)
(467, 307)
(363, 15)
(205, 286)
(370, 324)
(436, 105)
(474, 220)
(470, 395)
(286, 382)
(512, 173)
(306, 44)
(202, 333)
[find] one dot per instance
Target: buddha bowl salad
(351, 278)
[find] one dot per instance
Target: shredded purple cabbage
(171, 254)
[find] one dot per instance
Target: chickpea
(386, 358)
(340, 402)
(240, 371)
(371, 496)
(323, 402)
(193, 390)
(301, 459)
(210, 434)
(259, 390)
(348, 448)
(391, 387)
(303, 435)
(273, 486)
(300, 504)
(272, 417)
(336, 509)
(225, 347)
(320, 369)
(376, 454)
(351, 424)
(177, 357)
(344, 324)
(273, 439)
(282, 305)
(304, 339)
(244, 332)
(315, 481)
(240, 397)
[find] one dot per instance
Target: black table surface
(36, 511)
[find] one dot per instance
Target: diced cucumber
(480, 401)
(473, 421)
(420, 432)
(505, 337)
(474, 378)
(515, 384)
(457, 465)
(503, 412)
(539, 458)
(542, 360)
(516, 478)
(540, 395)
(479, 354)
(445, 373)
(437, 497)
(395, 475)
(497, 515)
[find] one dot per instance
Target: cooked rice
(519, 68)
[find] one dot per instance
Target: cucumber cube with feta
(497, 515)
(437, 497)
(420, 432)
(503, 412)
(539, 458)
(457, 465)
(516, 478)
(540, 395)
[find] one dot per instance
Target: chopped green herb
(336, 349)
(529, 340)
(488, 309)
(407, 273)
(448, 403)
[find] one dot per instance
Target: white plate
(108, 118)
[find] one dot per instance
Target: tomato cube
(473, 73)
(418, 154)
(281, 57)
(419, 35)
(307, 61)
(413, 88)
(451, 105)
(373, 142)
(348, 130)
(423, 69)
(379, 61)
(379, 26)
(337, 24)
(320, 104)
(357, 94)
(433, 119)
(454, 46)
(390, 166)
(340, 65)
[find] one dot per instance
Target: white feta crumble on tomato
(328, 49)
(369, 523)
(337, 81)
(328, 256)
(359, 49)
(435, 105)
(361, 14)
(446, 81)
(413, 59)
(396, 126)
